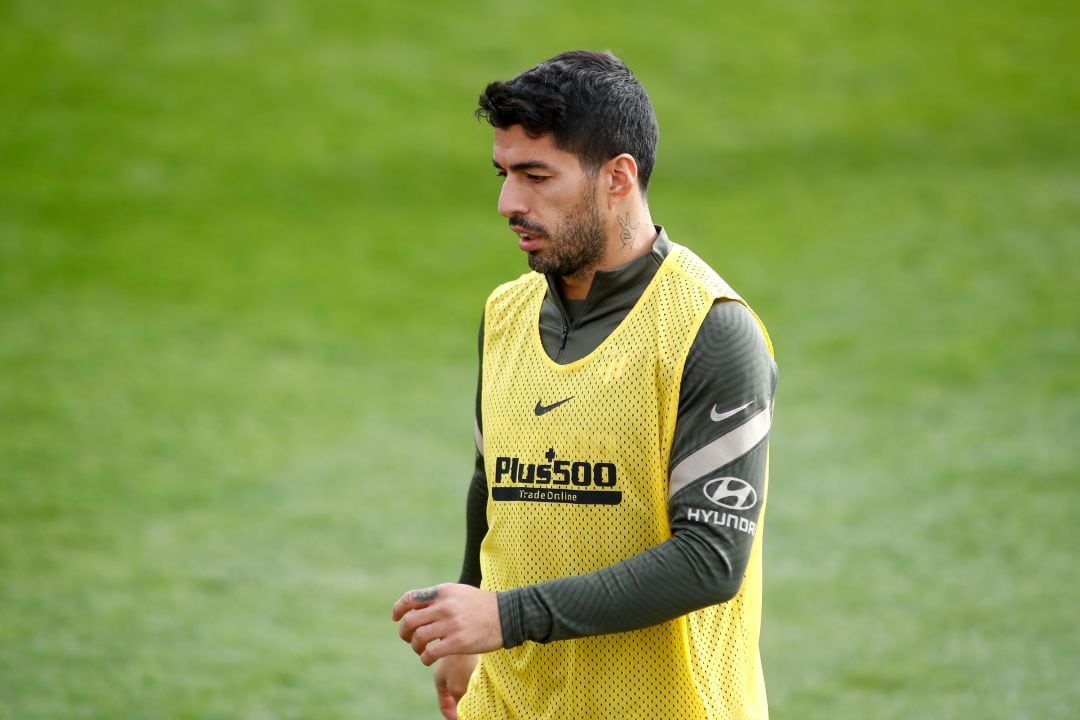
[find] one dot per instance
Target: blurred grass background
(243, 251)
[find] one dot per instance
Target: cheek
(568, 204)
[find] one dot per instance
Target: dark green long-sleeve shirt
(725, 411)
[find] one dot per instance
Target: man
(615, 518)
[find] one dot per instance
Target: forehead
(513, 146)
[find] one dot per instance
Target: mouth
(528, 240)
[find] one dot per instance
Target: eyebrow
(526, 166)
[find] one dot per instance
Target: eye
(500, 173)
(536, 179)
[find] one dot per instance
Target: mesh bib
(577, 463)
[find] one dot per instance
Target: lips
(528, 241)
(529, 244)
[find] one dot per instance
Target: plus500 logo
(555, 472)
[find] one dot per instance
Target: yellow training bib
(577, 463)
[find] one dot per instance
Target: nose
(511, 201)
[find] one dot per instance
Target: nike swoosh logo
(541, 409)
(719, 416)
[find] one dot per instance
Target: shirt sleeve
(476, 526)
(717, 490)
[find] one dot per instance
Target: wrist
(510, 617)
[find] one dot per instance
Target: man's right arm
(476, 503)
(475, 524)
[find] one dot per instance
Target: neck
(630, 234)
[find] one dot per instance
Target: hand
(452, 675)
(449, 619)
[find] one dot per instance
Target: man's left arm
(716, 493)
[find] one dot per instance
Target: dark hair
(590, 103)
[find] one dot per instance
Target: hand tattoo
(425, 595)
(628, 231)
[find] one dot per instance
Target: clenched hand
(449, 619)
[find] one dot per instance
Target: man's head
(589, 102)
(575, 140)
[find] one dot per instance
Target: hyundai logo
(731, 493)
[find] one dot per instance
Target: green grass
(243, 252)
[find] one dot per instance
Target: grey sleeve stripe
(721, 451)
(479, 438)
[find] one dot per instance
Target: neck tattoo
(628, 231)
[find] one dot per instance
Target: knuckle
(421, 639)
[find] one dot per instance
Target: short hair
(590, 103)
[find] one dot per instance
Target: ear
(621, 172)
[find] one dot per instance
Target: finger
(401, 607)
(424, 596)
(404, 604)
(437, 650)
(414, 619)
(424, 636)
(447, 704)
(414, 599)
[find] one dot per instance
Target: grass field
(243, 251)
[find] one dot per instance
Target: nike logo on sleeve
(721, 416)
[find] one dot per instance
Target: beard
(575, 247)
